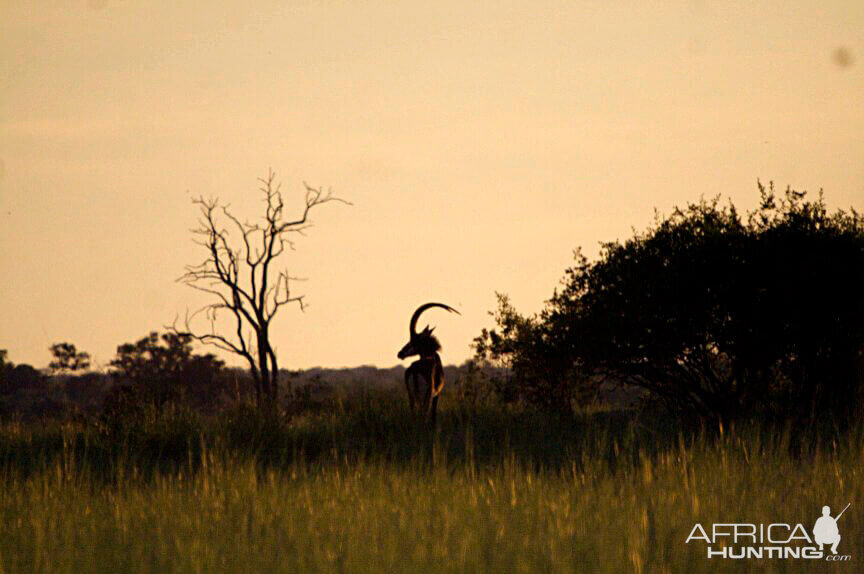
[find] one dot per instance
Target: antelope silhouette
(424, 379)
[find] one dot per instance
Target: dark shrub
(713, 314)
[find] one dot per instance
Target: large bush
(532, 370)
(16, 378)
(164, 368)
(715, 314)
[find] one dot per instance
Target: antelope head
(423, 343)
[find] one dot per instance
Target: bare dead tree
(238, 273)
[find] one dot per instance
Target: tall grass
(364, 489)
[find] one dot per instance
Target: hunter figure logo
(738, 541)
(825, 530)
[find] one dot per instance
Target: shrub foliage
(714, 314)
(163, 368)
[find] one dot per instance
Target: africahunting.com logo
(733, 541)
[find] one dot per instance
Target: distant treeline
(160, 369)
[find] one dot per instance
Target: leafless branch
(237, 274)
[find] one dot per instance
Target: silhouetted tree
(160, 367)
(537, 374)
(15, 378)
(239, 274)
(67, 359)
(718, 315)
(4, 354)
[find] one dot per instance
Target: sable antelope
(424, 379)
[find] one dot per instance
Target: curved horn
(413, 327)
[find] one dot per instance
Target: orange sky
(480, 145)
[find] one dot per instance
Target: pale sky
(480, 145)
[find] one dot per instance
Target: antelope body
(424, 379)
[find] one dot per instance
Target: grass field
(365, 490)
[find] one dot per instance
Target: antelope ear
(426, 330)
(430, 330)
